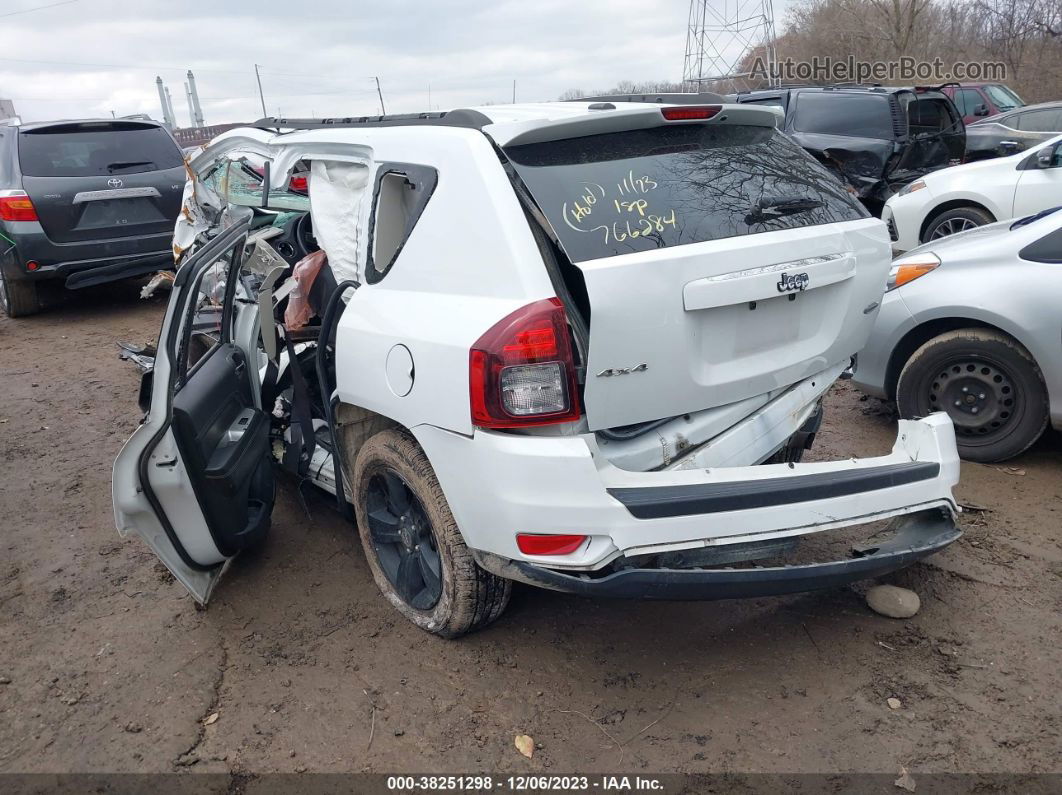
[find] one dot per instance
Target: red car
(978, 100)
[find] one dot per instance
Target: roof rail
(702, 98)
(472, 119)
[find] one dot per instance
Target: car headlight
(911, 187)
(907, 269)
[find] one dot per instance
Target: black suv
(84, 201)
(876, 139)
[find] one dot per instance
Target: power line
(148, 67)
(205, 99)
(38, 8)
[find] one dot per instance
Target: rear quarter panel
(470, 261)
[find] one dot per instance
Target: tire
(1002, 400)
(467, 597)
(18, 297)
(958, 220)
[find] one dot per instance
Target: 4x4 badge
(641, 368)
(793, 282)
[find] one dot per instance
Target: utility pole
(379, 93)
(261, 96)
(514, 92)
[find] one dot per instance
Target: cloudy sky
(89, 57)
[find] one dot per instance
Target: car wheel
(18, 297)
(953, 221)
(988, 384)
(413, 545)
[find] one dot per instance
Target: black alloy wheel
(402, 538)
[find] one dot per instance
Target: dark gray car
(1014, 131)
(83, 203)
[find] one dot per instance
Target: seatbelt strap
(303, 439)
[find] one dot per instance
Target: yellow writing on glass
(589, 211)
(583, 205)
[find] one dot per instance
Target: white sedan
(955, 199)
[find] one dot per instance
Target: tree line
(1024, 35)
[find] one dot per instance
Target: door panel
(224, 442)
(1037, 189)
(195, 480)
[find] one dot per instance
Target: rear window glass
(617, 193)
(833, 113)
(82, 151)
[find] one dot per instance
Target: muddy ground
(107, 665)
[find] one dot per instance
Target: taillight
(16, 206)
(538, 544)
(522, 371)
(688, 113)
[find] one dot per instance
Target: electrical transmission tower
(721, 36)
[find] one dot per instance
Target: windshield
(95, 150)
(241, 179)
(616, 193)
(1003, 97)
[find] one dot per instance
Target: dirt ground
(106, 664)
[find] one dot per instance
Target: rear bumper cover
(86, 263)
(499, 485)
(917, 536)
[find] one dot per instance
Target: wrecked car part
(328, 322)
(917, 536)
(143, 356)
(162, 279)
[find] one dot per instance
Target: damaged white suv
(579, 345)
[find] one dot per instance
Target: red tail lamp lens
(522, 371)
(17, 208)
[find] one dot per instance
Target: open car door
(195, 480)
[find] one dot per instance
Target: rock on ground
(892, 601)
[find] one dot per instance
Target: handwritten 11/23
(632, 205)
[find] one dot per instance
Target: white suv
(577, 345)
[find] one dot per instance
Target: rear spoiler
(608, 118)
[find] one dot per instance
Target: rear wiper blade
(770, 207)
(128, 164)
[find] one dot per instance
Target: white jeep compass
(580, 345)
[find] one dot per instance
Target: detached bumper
(917, 536)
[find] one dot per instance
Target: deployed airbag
(337, 193)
